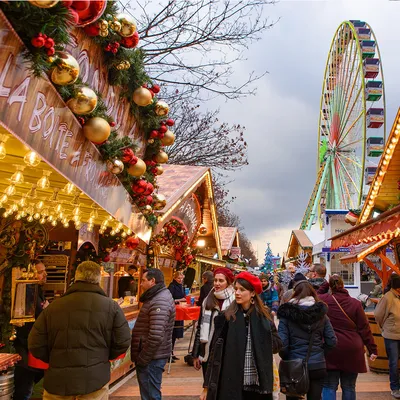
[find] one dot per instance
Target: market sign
(189, 213)
(32, 110)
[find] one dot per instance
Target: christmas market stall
(299, 243)
(187, 235)
(230, 247)
(82, 136)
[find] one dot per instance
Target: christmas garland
(175, 234)
(44, 27)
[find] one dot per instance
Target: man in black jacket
(208, 283)
(77, 335)
(26, 377)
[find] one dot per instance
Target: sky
(281, 120)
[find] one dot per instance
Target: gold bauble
(128, 25)
(150, 141)
(103, 25)
(168, 139)
(147, 210)
(115, 26)
(84, 101)
(97, 130)
(137, 169)
(161, 157)
(115, 166)
(142, 97)
(103, 33)
(159, 202)
(161, 108)
(66, 71)
(43, 3)
(160, 170)
(150, 251)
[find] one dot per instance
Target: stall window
(346, 271)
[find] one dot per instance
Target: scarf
(305, 302)
(208, 316)
(150, 293)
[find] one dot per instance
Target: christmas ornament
(80, 5)
(84, 101)
(150, 141)
(139, 187)
(128, 25)
(74, 16)
(162, 129)
(156, 89)
(43, 3)
(161, 108)
(149, 189)
(92, 30)
(147, 210)
(115, 166)
(104, 33)
(128, 156)
(142, 97)
(115, 26)
(132, 242)
(160, 170)
(49, 43)
(130, 42)
(97, 130)
(91, 14)
(170, 122)
(66, 71)
(168, 139)
(159, 202)
(38, 41)
(137, 169)
(123, 65)
(150, 251)
(202, 229)
(102, 24)
(153, 134)
(161, 157)
(51, 51)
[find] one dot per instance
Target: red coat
(348, 355)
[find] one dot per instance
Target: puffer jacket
(152, 334)
(296, 323)
(77, 335)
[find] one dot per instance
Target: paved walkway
(185, 383)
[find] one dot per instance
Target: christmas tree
(267, 266)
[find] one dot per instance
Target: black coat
(77, 335)
(296, 324)
(205, 289)
(225, 371)
(177, 292)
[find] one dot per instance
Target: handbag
(293, 374)
(344, 312)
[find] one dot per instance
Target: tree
(193, 46)
(267, 265)
(247, 250)
(202, 140)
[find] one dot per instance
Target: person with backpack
(353, 333)
(306, 334)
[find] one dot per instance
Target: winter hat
(264, 276)
(297, 278)
(253, 280)
(228, 274)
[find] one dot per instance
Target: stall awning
(360, 255)
(227, 235)
(211, 261)
(385, 226)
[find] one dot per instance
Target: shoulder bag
(293, 374)
(344, 312)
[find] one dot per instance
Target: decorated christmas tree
(267, 265)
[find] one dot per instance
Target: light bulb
(3, 199)
(76, 211)
(32, 159)
(129, 232)
(22, 202)
(5, 214)
(54, 223)
(3, 151)
(18, 177)
(58, 208)
(90, 228)
(10, 190)
(44, 182)
(36, 216)
(123, 234)
(45, 212)
(50, 218)
(76, 218)
(94, 214)
(14, 208)
(112, 233)
(30, 210)
(66, 224)
(23, 213)
(18, 216)
(78, 225)
(69, 188)
(40, 205)
(30, 218)
(42, 220)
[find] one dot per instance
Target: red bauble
(106, 259)
(170, 122)
(112, 124)
(149, 189)
(150, 163)
(128, 156)
(130, 42)
(51, 51)
(38, 41)
(80, 5)
(92, 30)
(154, 134)
(156, 88)
(162, 129)
(67, 3)
(161, 135)
(132, 242)
(149, 200)
(142, 183)
(49, 43)
(114, 50)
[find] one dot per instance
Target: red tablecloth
(187, 313)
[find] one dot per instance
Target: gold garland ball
(161, 157)
(66, 71)
(97, 130)
(142, 97)
(115, 166)
(137, 169)
(160, 170)
(128, 25)
(168, 139)
(159, 202)
(84, 101)
(161, 108)
(147, 210)
(43, 3)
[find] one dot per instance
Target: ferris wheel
(352, 123)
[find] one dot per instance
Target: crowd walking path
(185, 383)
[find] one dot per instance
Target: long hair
(336, 283)
(304, 289)
(258, 305)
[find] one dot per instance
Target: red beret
(252, 279)
(227, 272)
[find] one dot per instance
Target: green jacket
(387, 315)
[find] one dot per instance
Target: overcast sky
(282, 119)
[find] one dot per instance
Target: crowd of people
(245, 320)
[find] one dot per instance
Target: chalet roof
(227, 235)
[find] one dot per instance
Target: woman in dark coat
(353, 333)
(240, 365)
(178, 294)
(302, 315)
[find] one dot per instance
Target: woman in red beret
(240, 365)
(219, 299)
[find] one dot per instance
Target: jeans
(24, 381)
(149, 378)
(347, 383)
(393, 353)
